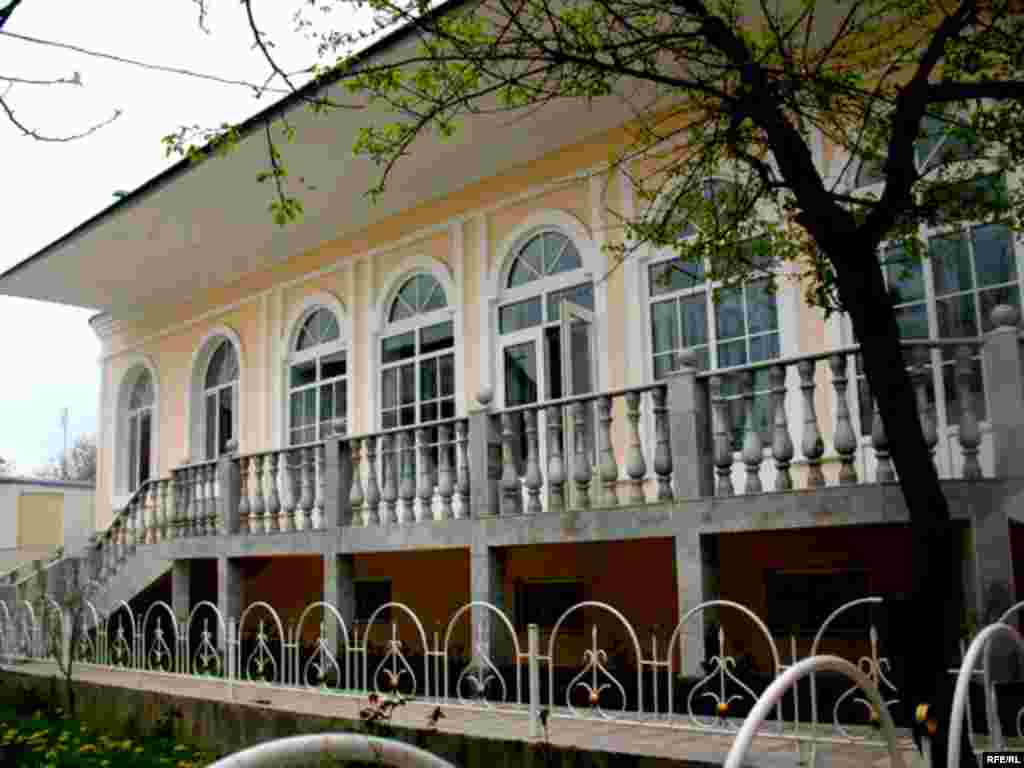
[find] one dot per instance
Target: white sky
(49, 351)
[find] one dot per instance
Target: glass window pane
(520, 274)
(133, 452)
(447, 363)
(664, 326)
(992, 298)
(729, 315)
(431, 295)
(912, 321)
(303, 373)
(295, 410)
(532, 256)
(389, 419)
(211, 426)
(956, 316)
(428, 379)
(389, 385)
(951, 264)
(522, 314)
(732, 353)
(560, 254)
(582, 368)
(428, 412)
(674, 275)
(580, 294)
(437, 337)
(226, 427)
(904, 276)
(694, 316)
(520, 374)
(145, 424)
(408, 416)
(333, 366)
(994, 259)
(448, 409)
(553, 361)
(765, 347)
(398, 347)
(327, 402)
(663, 365)
(407, 384)
(762, 307)
(309, 406)
(340, 400)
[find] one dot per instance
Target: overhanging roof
(200, 225)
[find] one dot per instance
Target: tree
(64, 624)
(739, 90)
(79, 464)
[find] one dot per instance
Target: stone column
(487, 584)
(689, 431)
(339, 591)
(229, 588)
(483, 472)
(1005, 384)
(337, 482)
(181, 589)
(696, 564)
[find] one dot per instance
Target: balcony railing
(669, 441)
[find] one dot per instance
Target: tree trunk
(925, 631)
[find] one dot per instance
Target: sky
(46, 189)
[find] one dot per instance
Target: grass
(50, 740)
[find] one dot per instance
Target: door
(577, 378)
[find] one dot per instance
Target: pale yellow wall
(40, 520)
(259, 308)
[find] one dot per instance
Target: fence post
(533, 651)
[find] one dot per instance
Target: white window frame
(316, 354)
(135, 416)
(948, 456)
(120, 470)
(216, 392)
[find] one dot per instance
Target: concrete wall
(37, 516)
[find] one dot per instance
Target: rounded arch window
(220, 394)
(544, 254)
(140, 430)
(317, 380)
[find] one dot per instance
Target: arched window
(140, 430)
(317, 380)
(418, 356)
(219, 395)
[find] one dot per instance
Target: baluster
(753, 452)
(290, 491)
(925, 412)
(425, 487)
(879, 440)
(212, 523)
(243, 494)
(782, 444)
(445, 471)
(131, 513)
(175, 512)
(811, 443)
(845, 439)
(662, 447)
(273, 509)
(319, 459)
(636, 468)
(355, 493)
(306, 499)
(970, 435)
(372, 514)
(462, 489)
(389, 466)
(257, 507)
(534, 479)
(199, 499)
(581, 470)
(556, 464)
(723, 437)
(609, 468)
(511, 492)
(153, 492)
(407, 481)
(166, 510)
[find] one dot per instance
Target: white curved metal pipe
(773, 694)
(309, 750)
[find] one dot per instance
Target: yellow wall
(40, 520)
(259, 307)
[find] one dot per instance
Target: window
(219, 394)
(798, 602)
(545, 355)
(370, 595)
(970, 269)
(543, 601)
(418, 363)
(741, 327)
(140, 430)
(317, 381)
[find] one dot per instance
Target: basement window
(798, 602)
(543, 601)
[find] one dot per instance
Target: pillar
(487, 584)
(689, 431)
(229, 588)
(484, 466)
(696, 565)
(339, 591)
(337, 482)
